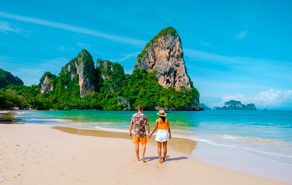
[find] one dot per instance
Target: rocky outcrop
(82, 66)
(236, 105)
(251, 106)
(205, 107)
(124, 104)
(47, 82)
(6, 78)
(163, 54)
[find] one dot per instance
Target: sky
(238, 50)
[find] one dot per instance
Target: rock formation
(82, 66)
(251, 106)
(164, 55)
(236, 105)
(124, 103)
(202, 105)
(47, 82)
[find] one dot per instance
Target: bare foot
(143, 160)
(138, 159)
(160, 160)
(163, 159)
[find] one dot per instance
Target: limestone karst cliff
(164, 54)
(82, 67)
(159, 81)
(47, 82)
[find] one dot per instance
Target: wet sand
(38, 154)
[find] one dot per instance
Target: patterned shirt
(139, 121)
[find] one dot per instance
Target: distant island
(202, 105)
(159, 81)
(236, 105)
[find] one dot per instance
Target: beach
(41, 154)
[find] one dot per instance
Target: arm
(155, 128)
(169, 129)
(131, 127)
(130, 131)
(148, 127)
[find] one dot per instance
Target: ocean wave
(256, 140)
(47, 120)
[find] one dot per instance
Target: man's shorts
(137, 140)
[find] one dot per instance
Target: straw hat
(161, 113)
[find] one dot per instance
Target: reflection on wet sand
(7, 117)
(179, 144)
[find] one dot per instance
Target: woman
(163, 134)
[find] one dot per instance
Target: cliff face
(47, 82)
(82, 66)
(164, 55)
(6, 78)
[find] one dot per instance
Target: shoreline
(273, 169)
(42, 155)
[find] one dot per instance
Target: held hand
(130, 134)
(149, 135)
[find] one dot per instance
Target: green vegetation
(10, 98)
(236, 105)
(110, 82)
(6, 78)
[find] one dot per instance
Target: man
(139, 120)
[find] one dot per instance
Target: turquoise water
(264, 133)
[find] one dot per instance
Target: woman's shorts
(162, 136)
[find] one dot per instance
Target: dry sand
(37, 154)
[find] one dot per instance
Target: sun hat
(161, 113)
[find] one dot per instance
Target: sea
(267, 134)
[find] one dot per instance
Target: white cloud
(266, 99)
(84, 46)
(62, 48)
(205, 43)
(7, 27)
(126, 57)
(241, 35)
(75, 29)
(275, 98)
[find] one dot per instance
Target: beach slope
(37, 154)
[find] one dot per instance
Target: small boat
(167, 111)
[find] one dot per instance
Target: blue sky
(233, 49)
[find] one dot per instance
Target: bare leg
(137, 151)
(159, 151)
(164, 150)
(143, 152)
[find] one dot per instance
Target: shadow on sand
(167, 158)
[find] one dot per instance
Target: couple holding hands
(139, 121)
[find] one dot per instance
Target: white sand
(36, 154)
